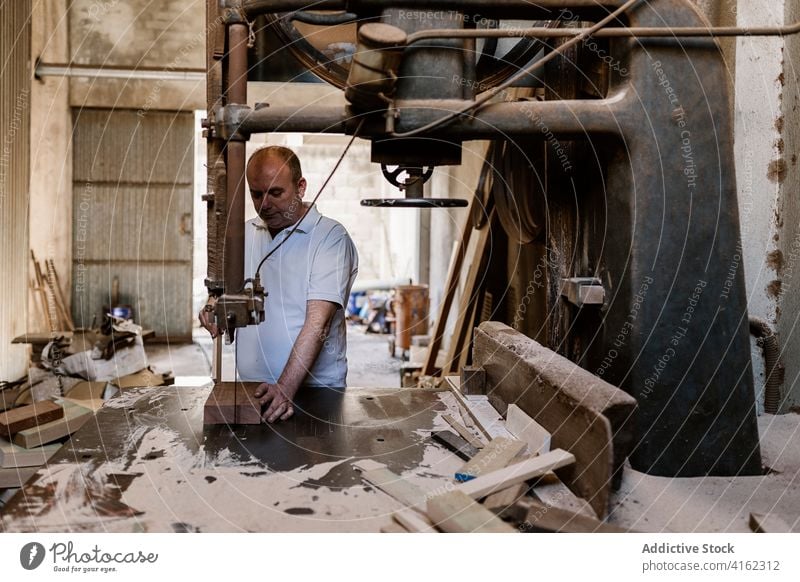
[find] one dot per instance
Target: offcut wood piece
(232, 403)
(18, 419)
(768, 523)
(377, 475)
(544, 518)
(517, 473)
(496, 455)
(16, 477)
(12, 455)
(584, 414)
(8, 396)
(551, 491)
(413, 521)
(86, 390)
(506, 497)
(455, 512)
(393, 527)
(486, 418)
(455, 443)
(528, 430)
(74, 417)
(463, 431)
(473, 381)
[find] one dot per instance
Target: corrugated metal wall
(15, 79)
(132, 217)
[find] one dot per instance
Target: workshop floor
(369, 361)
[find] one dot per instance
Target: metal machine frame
(674, 329)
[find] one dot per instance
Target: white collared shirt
(318, 262)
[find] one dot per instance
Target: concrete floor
(369, 361)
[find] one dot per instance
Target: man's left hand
(278, 401)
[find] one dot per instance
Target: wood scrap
(517, 473)
(16, 476)
(496, 455)
(392, 484)
(528, 430)
(768, 523)
(74, 417)
(505, 497)
(544, 518)
(486, 418)
(456, 512)
(584, 414)
(413, 521)
(393, 528)
(12, 455)
(463, 432)
(18, 419)
(455, 444)
(551, 491)
(8, 396)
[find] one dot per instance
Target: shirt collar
(307, 223)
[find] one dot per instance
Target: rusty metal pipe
(637, 32)
(235, 163)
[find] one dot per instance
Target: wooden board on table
(16, 477)
(528, 430)
(545, 518)
(380, 477)
(18, 419)
(517, 473)
(232, 403)
(455, 512)
(584, 414)
(496, 455)
(74, 417)
(454, 443)
(413, 521)
(480, 410)
(12, 455)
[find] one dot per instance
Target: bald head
(285, 155)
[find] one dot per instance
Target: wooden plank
(393, 528)
(456, 512)
(528, 430)
(473, 380)
(463, 431)
(18, 419)
(392, 484)
(455, 443)
(487, 419)
(12, 455)
(544, 518)
(429, 368)
(232, 403)
(414, 521)
(74, 417)
(517, 473)
(505, 497)
(551, 491)
(496, 455)
(584, 414)
(16, 477)
(768, 523)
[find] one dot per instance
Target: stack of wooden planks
(49, 297)
(29, 435)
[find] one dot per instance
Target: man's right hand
(206, 317)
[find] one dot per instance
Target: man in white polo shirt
(302, 341)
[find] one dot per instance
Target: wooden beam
(456, 512)
(232, 403)
(496, 455)
(454, 443)
(480, 410)
(18, 419)
(12, 455)
(517, 473)
(463, 431)
(584, 414)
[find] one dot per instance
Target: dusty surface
(718, 504)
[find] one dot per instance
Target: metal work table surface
(147, 463)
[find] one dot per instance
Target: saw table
(147, 463)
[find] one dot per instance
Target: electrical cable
(517, 76)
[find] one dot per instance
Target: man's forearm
(308, 344)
